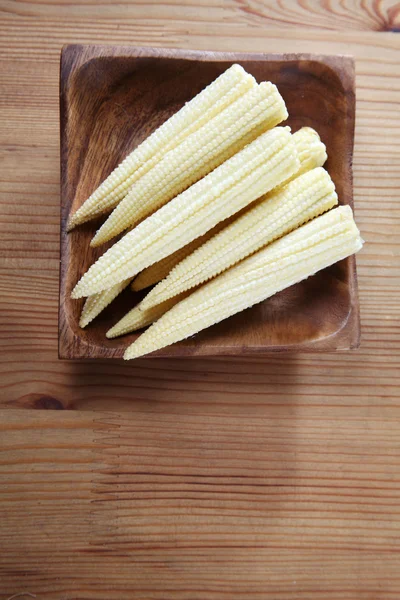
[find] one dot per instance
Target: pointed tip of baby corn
(87, 315)
(102, 235)
(96, 303)
(138, 317)
(98, 239)
(153, 298)
(134, 351)
(77, 292)
(112, 333)
(84, 322)
(79, 217)
(133, 320)
(119, 329)
(71, 224)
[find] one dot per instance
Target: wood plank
(373, 15)
(188, 506)
(42, 39)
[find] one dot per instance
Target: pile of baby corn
(222, 210)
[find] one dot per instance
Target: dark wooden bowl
(111, 98)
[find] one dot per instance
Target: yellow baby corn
(261, 108)
(138, 318)
(229, 86)
(259, 167)
(311, 152)
(97, 302)
(161, 269)
(279, 212)
(296, 256)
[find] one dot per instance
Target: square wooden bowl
(111, 98)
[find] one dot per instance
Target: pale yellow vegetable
(311, 152)
(310, 149)
(259, 167)
(98, 302)
(160, 269)
(217, 140)
(298, 255)
(215, 98)
(259, 225)
(138, 318)
(302, 199)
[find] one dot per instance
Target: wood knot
(40, 402)
(48, 403)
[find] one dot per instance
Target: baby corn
(304, 198)
(259, 167)
(229, 86)
(98, 302)
(161, 269)
(261, 108)
(311, 152)
(287, 261)
(138, 318)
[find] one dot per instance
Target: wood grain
(111, 98)
(275, 479)
(153, 16)
(165, 506)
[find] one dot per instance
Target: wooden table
(274, 478)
